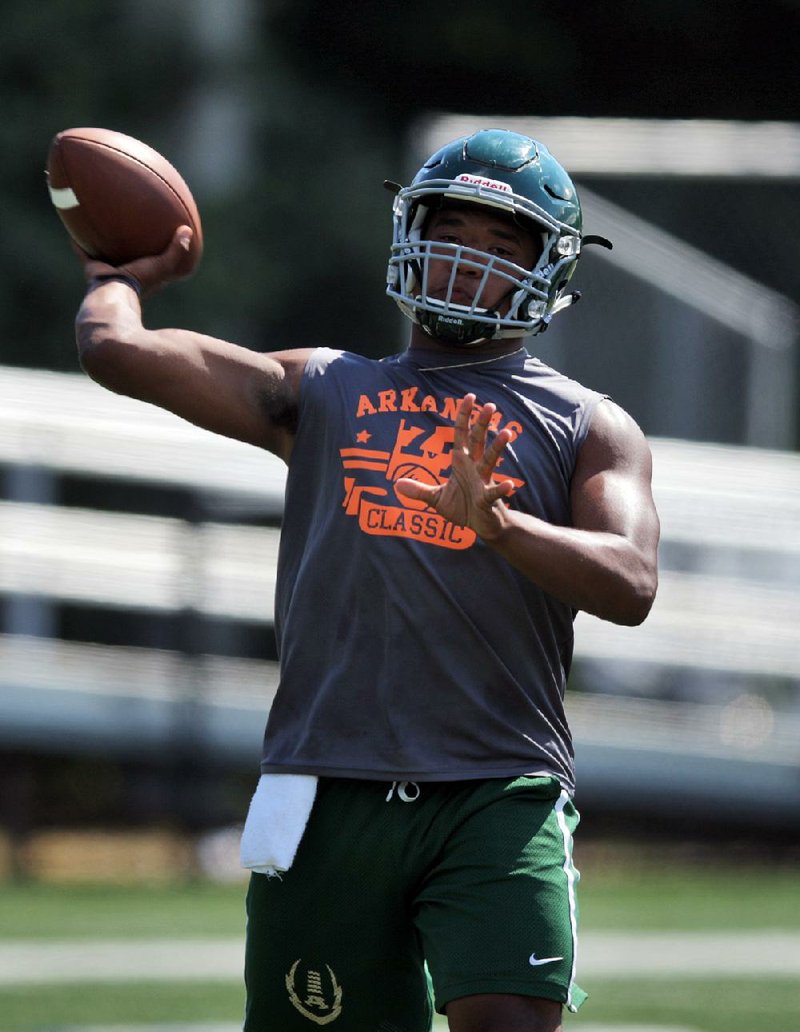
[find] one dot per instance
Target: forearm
(164, 367)
(107, 328)
(601, 573)
(117, 351)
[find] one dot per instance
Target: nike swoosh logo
(534, 961)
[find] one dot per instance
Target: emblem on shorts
(316, 994)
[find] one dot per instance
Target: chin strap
(462, 332)
(563, 302)
(451, 327)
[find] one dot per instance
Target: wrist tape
(123, 277)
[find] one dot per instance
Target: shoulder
(544, 381)
(320, 360)
(614, 440)
(567, 405)
(333, 380)
(301, 367)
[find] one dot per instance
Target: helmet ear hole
(418, 217)
(413, 277)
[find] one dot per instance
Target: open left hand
(470, 497)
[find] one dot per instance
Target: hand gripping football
(118, 198)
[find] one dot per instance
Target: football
(118, 198)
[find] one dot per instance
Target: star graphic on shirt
(363, 437)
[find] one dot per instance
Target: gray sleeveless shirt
(409, 650)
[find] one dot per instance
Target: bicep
(220, 386)
(237, 392)
(611, 487)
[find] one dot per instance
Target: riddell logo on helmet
(493, 184)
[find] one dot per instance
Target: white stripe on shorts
(572, 878)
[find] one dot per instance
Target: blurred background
(137, 554)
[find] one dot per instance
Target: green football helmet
(514, 174)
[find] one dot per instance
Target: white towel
(276, 820)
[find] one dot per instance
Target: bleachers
(712, 678)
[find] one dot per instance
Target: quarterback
(448, 511)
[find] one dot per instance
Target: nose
(471, 265)
(467, 271)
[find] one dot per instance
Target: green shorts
(471, 881)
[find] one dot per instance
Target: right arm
(214, 384)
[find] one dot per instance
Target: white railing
(729, 599)
(701, 620)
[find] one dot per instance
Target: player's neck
(420, 341)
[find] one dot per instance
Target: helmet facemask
(533, 295)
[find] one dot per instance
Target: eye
(508, 254)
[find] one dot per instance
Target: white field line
(689, 954)
(24, 962)
(181, 1027)
(438, 1025)
(601, 954)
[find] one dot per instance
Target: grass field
(691, 899)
